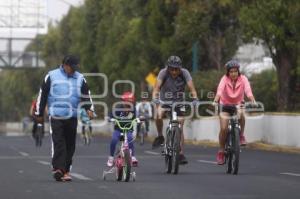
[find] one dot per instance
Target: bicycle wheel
(39, 136)
(37, 140)
(236, 150)
(142, 134)
(168, 155)
(40, 141)
(176, 148)
(228, 153)
(127, 165)
(119, 173)
(87, 138)
(118, 165)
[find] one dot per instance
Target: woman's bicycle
(232, 145)
(122, 166)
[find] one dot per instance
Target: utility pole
(195, 57)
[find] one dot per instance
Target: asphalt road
(26, 173)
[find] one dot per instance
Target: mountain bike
(122, 166)
(171, 149)
(232, 144)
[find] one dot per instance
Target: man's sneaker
(110, 161)
(242, 140)
(182, 159)
(66, 177)
(220, 158)
(158, 141)
(58, 174)
(134, 161)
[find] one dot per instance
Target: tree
(214, 24)
(276, 22)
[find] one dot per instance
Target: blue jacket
(62, 92)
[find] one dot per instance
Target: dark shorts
(231, 109)
(180, 110)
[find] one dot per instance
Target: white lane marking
(206, 161)
(291, 174)
(75, 175)
(24, 154)
(80, 177)
(152, 153)
(14, 134)
(44, 162)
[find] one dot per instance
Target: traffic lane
(194, 179)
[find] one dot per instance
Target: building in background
(20, 22)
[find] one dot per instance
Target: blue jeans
(116, 138)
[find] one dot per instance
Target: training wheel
(133, 176)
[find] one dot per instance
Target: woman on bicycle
(231, 90)
(123, 111)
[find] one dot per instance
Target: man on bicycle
(170, 86)
(231, 90)
(144, 110)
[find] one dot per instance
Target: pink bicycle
(122, 166)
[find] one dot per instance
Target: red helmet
(128, 97)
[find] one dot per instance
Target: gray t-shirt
(173, 89)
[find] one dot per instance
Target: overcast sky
(58, 8)
(53, 9)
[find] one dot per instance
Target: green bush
(265, 86)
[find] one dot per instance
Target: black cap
(72, 61)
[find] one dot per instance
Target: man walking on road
(63, 89)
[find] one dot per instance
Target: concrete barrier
(282, 130)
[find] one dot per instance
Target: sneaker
(159, 140)
(182, 159)
(242, 140)
(58, 174)
(220, 157)
(67, 177)
(110, 161)
(134, 161)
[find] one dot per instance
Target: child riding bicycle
(86, 121)
(231, 90)
(144, 110)
(123, 111)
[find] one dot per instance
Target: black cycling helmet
(72, 61)
(174, 62)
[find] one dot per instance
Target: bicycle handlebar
(132, 122)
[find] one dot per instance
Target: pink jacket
(230, 95)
